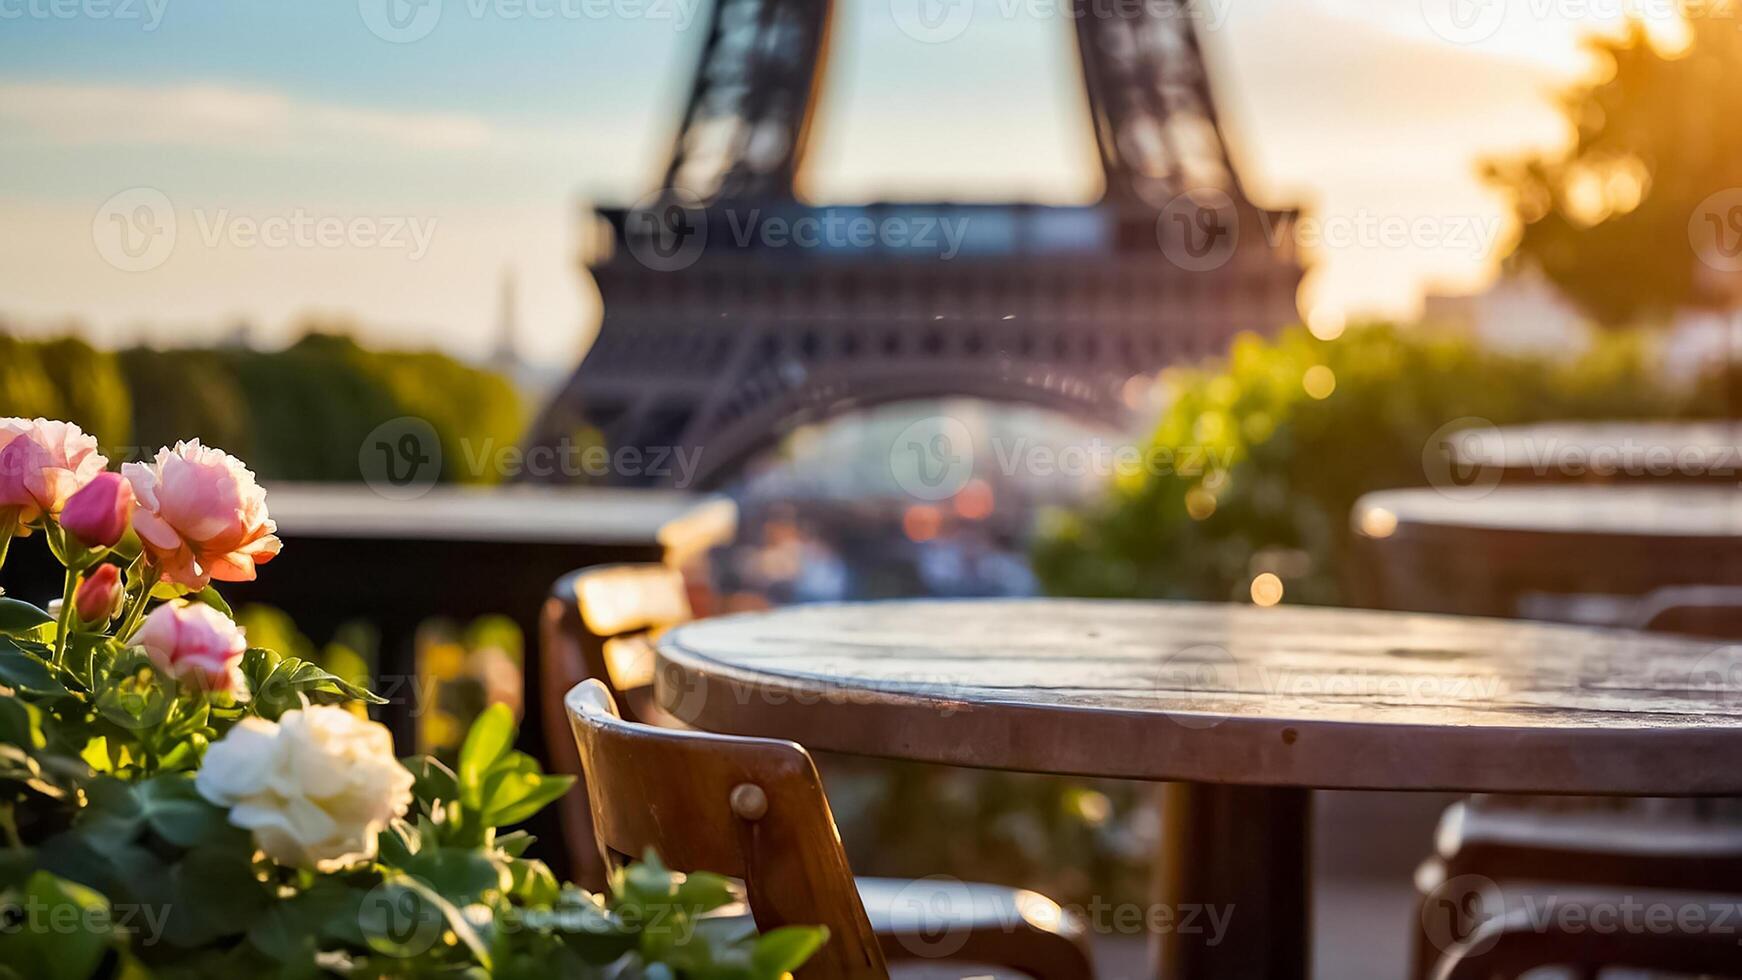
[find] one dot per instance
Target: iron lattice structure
(733, 313)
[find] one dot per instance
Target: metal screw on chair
(749, 802)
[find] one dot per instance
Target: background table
(1496, 552)
(1246, 708)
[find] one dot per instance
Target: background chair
(596, 624)
(1559, 934)
(754, 809)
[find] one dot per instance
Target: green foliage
(66, 379)
(303, 413)
(1281, 469)
(1610, 221)
(116, 864)
(184, 394)
(297, 414)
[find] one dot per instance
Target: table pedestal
(1239, 856)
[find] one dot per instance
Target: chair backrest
(594, 625)
(749, 808)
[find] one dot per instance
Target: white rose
(315, 788)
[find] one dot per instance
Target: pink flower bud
(41, 463)
(99, 512)
(193, 643)
(99, 596)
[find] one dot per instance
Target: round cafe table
(1243, 711)
(1508, 550)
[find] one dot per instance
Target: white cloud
(220, 116)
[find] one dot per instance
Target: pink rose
(42, 463)
(201, 516)
(99, 596)
(99, 513)
(193, 643)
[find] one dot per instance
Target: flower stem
(147, 576)
(64, 625)
(8, 526)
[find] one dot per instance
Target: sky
(392, 164)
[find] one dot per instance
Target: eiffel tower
(733, 313)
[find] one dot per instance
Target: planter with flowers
(177, 804)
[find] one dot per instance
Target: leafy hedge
(297, 414)
(1286, 467)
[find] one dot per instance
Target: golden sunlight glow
(1319, 381)
(1266, 589)
(1377, 522)
(1200, 503)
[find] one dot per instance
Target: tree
(1643, 215)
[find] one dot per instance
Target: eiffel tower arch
(733, 313)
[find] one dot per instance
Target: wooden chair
(1533, 849)
(1560, 933)
(596, 624)
(754, 809)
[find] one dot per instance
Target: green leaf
(174, 809)
(785, 950)
(216, 895)
(168, 590)
(701, 893)
(209, 595)
(515, 789)
(65, 934)
(461, 875)
(90, 656)
(432, 781)
(20, 618)
(289, 930)
(24, 667)
(532, 883)
(514, 843)
(485, 745)
(279, 684)
(21, 723)
(452, 916)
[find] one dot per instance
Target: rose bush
(177, 804)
